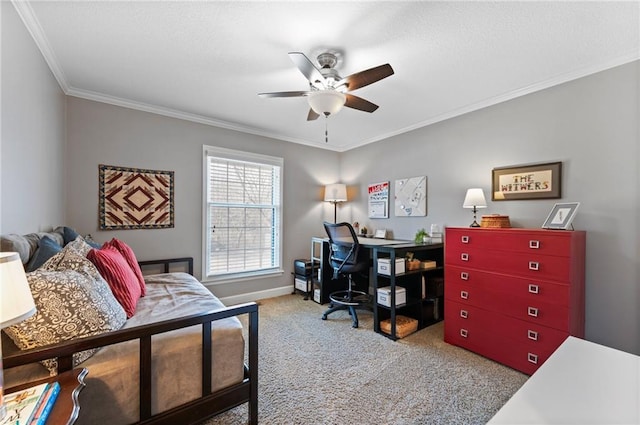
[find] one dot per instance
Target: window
(242, 214)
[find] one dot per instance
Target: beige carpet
(325, 372)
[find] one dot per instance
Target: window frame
(237, 155)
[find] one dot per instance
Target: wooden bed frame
(196, 411)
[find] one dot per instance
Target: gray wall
(32, 186)
(590, 124)
(104, 134)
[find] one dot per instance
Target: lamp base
(474, 224)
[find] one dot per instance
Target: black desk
(426, 307)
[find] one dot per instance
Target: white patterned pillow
(70, 258)
(80, 245)
(77, 246)
(70, 304)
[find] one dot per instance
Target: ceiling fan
(328, 92)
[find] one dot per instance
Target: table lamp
(335, 193)
(474, 199)
(16, 302)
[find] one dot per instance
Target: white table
(581, 383)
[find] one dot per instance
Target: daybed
(179, 359)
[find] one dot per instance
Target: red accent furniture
(514, 295)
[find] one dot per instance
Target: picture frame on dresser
(561, 216)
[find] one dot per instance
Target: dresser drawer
(529, 309)
(530, 265)
(534, 289)
(544, 242)
(509, 341)
(525, 358)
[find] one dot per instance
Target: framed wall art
(561, 216)
(134, 198)
(536, 181)
(379, 200)
(411, 197)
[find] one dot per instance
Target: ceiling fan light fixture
(326, 102)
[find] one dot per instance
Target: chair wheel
(324, 317)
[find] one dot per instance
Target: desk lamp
(16, 302)
(335, 193)
(474, 199)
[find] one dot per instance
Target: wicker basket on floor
(404, 326)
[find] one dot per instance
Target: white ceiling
(206, 61)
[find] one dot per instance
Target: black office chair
(346, 257)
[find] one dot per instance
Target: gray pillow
(47, 248)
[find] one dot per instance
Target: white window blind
(242, 213)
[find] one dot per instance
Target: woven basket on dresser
(495, 220)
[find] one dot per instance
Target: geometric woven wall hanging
(133, 198)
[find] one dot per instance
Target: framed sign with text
(537, 181)
(379, 200)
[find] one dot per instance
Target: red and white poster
(379, 200)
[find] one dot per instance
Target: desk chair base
(348, 300)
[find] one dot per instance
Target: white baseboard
(255, 296)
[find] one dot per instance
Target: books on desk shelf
(31, 405)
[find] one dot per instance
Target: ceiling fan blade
(285, 94)
(364, 78)
(308, 69)
(359, 103)
(313, 115)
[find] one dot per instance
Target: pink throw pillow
(128, 255)
(121, 279)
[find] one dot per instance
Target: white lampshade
(326, 102)
(16, 302)
(474, 199)
(335, 192)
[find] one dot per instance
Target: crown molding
(27, 15)
(186, 116)
(560, 79)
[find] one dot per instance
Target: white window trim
(238, 156)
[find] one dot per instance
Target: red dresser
(513, 295)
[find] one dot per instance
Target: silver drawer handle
(464, 295)
(532, 335)
(534, 265)
(464, 314)
(534, 289)
(534, 244)
(533, 358)
(465, 239)
(464, 276)
(464, 256)
(532, 311)
(463, 333)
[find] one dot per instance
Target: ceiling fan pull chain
(326, 130)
